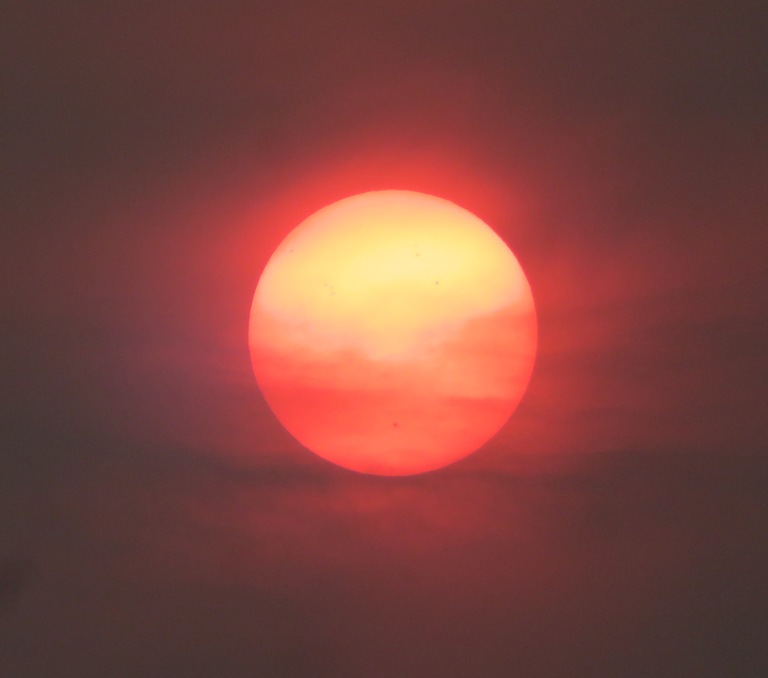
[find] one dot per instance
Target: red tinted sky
(157, 520)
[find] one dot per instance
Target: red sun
(392, 333)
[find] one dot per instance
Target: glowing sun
(392, 332)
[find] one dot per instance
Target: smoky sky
(156, 520)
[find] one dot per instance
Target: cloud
(15, 575)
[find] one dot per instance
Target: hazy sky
(155, 520)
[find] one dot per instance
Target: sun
(392, 332)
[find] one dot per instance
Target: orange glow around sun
(392, 332)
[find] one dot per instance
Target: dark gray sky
(155, 520)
